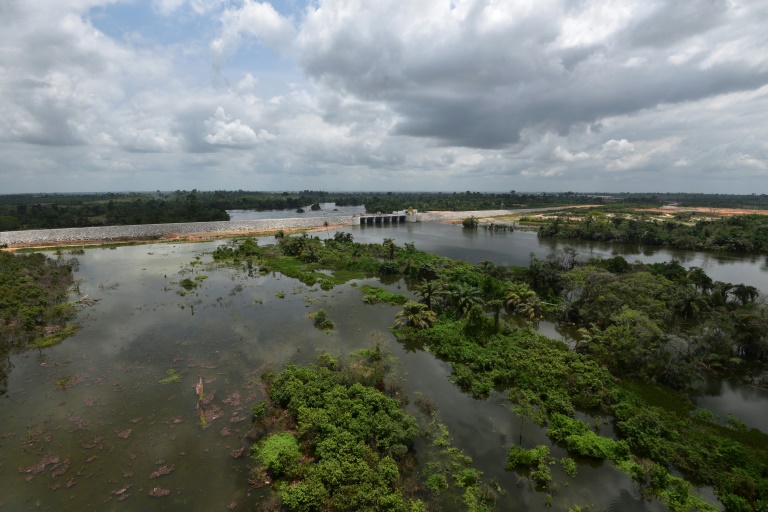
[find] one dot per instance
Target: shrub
(322, 321)
(280, 454)
(188, 284)
(437, 483)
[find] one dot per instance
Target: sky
(356, 95)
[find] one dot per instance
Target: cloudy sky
(531, 95)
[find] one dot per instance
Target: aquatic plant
(322, 321)
(171, 375)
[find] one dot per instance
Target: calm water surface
(96, 403)
(327, 210)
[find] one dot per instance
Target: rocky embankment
(150, 231)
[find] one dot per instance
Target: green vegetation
(171, 376)
(188, 284)
(33, 307)
(375, 295)
(55, 338)
(45, 211)
(322, 321)
(415, 315)
(470, 223)
(657, 323)
(740, 233)
(536, 461)
(466, 201)
(328, 439)
(548, 383)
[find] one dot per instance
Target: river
(97, 405)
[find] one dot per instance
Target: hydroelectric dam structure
(383, 218)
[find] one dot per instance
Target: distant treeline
(741, 233)
(46, 211)
(467, 201)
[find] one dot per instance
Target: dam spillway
(392, 218)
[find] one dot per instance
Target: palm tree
(700, 279)
(497, 305)
(719, 293)
(464, 296)
(690, 303)
(523, 301)
(428, 291)
(416, 315)
(744, 294)
(486, 265)
(389, 244)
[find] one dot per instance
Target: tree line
(738, 233)
(47, 211)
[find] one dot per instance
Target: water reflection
(725, 397)
(515, 248)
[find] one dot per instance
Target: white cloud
(617, 148)
(225, 131)
(255, 19)
(565, 155)
(169, 7)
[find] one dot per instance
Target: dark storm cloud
(481, 81)
(671, 21)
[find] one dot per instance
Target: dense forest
(654, 327)
(33, 307)
(739, 233)
(47, 211)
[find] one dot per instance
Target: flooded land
(108, 419)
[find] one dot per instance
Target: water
(97, 405)
(514, 248)
(327, 210)
(725, 397)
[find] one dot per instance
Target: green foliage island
(646, 332)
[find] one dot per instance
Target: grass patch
(374, 295)
(55, 338)
(668, 399)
